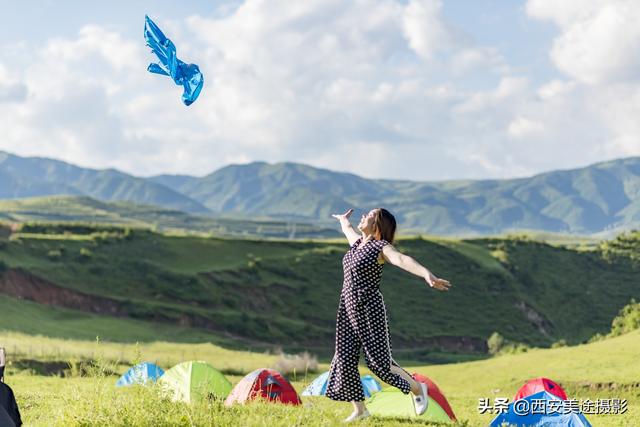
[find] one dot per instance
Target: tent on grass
(264, 383)
(391, 402)
(318, 387)
(537, 385)
(142, 373)
(547, 410)
(193, 381)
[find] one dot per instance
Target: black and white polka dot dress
(361, 324)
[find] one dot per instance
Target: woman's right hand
(345, 215)
(436, 282)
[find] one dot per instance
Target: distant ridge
(35, 176)
(601, 198)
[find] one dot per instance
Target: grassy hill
(286, 292)
(81, 209)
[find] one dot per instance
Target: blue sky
(411, 89)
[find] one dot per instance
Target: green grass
(37, 319)
(65, 211)
(611, 365)
(286, 293)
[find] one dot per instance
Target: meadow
(604, 369)
(239, 303)
(280, 291)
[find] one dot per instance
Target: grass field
(78, 209)
(260, 295)
(604, 369)
(286, 291)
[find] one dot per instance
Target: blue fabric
(140, 374)
(187, 75)
(555, 419)
(318, 387)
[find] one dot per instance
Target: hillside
(599, 199)
(82, 209)
(22, 177)
(282, 292)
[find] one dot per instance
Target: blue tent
(318, 387)
(550, 415)
(140, 374)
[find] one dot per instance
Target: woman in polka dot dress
(362, 319)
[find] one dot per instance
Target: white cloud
(508, 90)
(424, 27)
(521, 126)
(597, 48)
(11, 89)
(471, 59)
(599, 40)
(555, 88)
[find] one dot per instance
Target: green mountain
(33, 176)
(282, 190)
(286, 292)
(598, 198)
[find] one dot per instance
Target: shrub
(54, 254)
(495, 343)
(559, 343)
(626, 245)
(596, 337)
(627, 320)
(292, 364)
(85, 254)
(515, 348)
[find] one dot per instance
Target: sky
(401, 89)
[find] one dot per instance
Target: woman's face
(366, 222)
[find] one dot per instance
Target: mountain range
(600, 198)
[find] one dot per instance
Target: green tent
(192, 381)
(391, 402)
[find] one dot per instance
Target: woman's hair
(384, 225)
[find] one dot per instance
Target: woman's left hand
(436, 282)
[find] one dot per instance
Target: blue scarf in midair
(186, 75)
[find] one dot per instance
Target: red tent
(435, 393)
(264, 383)
(540, 384)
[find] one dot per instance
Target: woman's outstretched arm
(346, 226)
(409, 264)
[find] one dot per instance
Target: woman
(362, 319)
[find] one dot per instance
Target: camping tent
(539, 384)
(140, 374)
(193, 381)
(264, 383)
(534, 414)
(391, 402)
(318, 387)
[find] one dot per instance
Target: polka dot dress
(361, 324)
